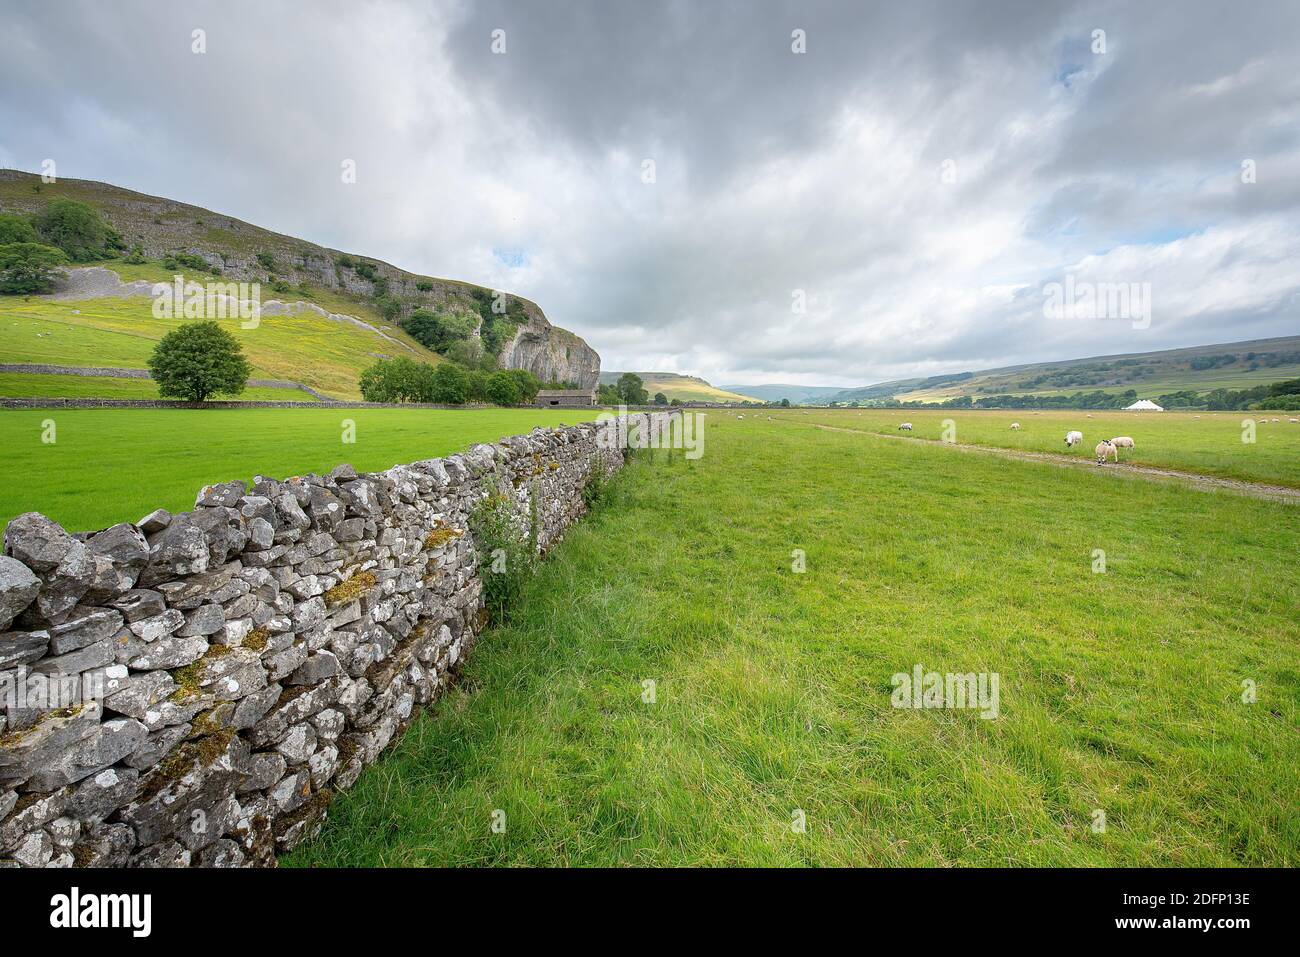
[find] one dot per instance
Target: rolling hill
(684, 388)
(798, 394)
(1230, 365)
(339, 311)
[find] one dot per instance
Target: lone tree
(631, 388)
(198, 360)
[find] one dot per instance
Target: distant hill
(339, 330)
(684, 388)
(1228, 365)
(797, 394)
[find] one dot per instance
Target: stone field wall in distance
(235, 666)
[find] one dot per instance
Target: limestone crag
(551, 354)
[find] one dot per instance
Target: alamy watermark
(1098, 300)
(657, 430)
(180, 299)
(930, 689)
(24, 689)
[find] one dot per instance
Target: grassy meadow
(1206, 442)
(1121, 691)
(23, 385)
(116, 465)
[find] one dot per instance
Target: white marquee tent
(1143, 405)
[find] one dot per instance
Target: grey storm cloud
(915, 177)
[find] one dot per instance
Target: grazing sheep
(1015, 425)
(1072, 439)
(1104, 449)
(1277, 420)
(1121, 442)
(1293, 420)
(905, 427)
(1088, 416)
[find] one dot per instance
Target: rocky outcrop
(551, 354)
(193, 689)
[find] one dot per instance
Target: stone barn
(566, 398)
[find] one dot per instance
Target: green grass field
(1120, 691)
(116, 465)
(1207, 442)
(23, 385)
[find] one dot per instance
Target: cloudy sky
(914, 179)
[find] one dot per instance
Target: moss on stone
(15, 737)
(440, 535)
(199, 753)
(351, 589)
(257, 639)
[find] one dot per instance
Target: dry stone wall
(233, 667)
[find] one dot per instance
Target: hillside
(798, 394)
(339, 329)
(1231, 365)
(684, 388)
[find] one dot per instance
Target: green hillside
(1233, 365)
(325, 354)
(368, 299)
(684, 388)
(775, 392)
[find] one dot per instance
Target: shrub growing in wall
(507, 552)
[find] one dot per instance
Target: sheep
(1104, 449)
(1277, 420)
(1293, 419)
(1014, 426)
(905, 427)
(1072, 439)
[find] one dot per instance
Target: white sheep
(1121, 442)
(1014, 426)
(1104, 449)
(905, 427)
(1073, 438)
(1293, 419)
